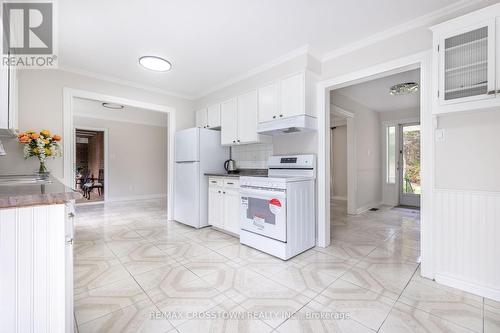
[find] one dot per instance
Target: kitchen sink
(13, 180)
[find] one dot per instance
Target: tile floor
(135, 272)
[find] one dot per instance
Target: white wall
(41, 107)
(469, 157)
(368, 151)
(137, 156)
(399, 115)
(339, 162)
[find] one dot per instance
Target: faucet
(2, 150)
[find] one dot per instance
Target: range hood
(288, 125)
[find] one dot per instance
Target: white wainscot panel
(33, 272)
(467, 225)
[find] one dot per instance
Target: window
(390, 143)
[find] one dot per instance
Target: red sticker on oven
(274, 206)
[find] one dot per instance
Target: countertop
(242, 172)
(51, 193)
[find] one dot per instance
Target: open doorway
(384, 169)
(90, 164)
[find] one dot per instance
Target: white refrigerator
(197, 151)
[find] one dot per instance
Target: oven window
(260, 208)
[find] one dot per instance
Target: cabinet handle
(214, 182)
(281, 115)
(492, 92)
(208, 126)
(230, 183)
(274, 117)
(238, 140)
(219, 191)
(234, 141)
(223, 192)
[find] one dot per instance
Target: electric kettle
(230, 166)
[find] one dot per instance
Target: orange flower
(35, 136)
(20, 135)
(56, 138)
(24, 139)
(45, 133)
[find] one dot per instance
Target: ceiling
(210, 42)
(94, 109)
(375, 95)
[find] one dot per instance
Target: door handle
(71, 214)
(69, 241)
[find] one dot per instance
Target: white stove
(278, 211)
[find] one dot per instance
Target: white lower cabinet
(224, 204)
(36, 256)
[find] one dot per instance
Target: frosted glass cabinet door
(467, 64)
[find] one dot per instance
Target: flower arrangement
(40, 145)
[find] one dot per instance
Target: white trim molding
(68, 133)
(422, 60)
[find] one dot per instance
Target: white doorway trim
(423, 61)
(106, 158)
(352, 167)
(69, 133)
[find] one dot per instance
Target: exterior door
(409, 165)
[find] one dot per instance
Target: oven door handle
(261, 194)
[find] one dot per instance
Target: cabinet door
(268, 102)
(232, 210)
(213, 116)
(201, 118)
(215, 207)
(292, 95)
(229, 122)
(247, 118)
(467, 64)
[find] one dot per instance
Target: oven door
(263, 211)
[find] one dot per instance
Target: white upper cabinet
(268, 102)
(292, 96)
(201, 118)
(466, 68)
(213, 116)
(229, 122)
(239, 120)
(247, 118)
(208, 117)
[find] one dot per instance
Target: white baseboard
(138, 197)
(366, 208)
(339, 198)
(472, 288)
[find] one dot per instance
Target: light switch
(439, 135)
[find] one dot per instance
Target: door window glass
(411, 159)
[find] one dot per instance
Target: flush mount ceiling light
(113, 106)
(154, 63)
(404, 88)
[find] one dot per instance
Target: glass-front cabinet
(466, 63)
